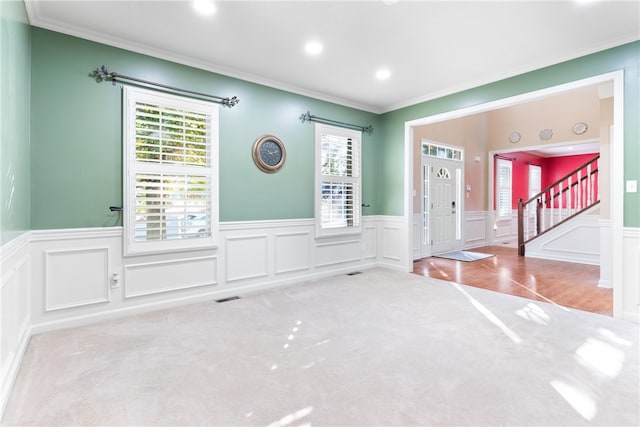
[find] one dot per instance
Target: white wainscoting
(474, 233)
(606, 260)
(80, 275)
(576, 241)
(75, 277)
(147, 278)
(631, 274)
(416, 234)
(475, 229)
(505, 230)
(15, 315)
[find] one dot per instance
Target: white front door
(445, 183)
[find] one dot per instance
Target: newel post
(520, 227)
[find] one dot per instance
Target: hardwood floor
(562, 283)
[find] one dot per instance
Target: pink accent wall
(520, 177)
(553, 168)
(558, 167)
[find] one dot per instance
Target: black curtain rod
(308, 117)
(101, 74)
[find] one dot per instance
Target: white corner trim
(8, 377)
(14, 246)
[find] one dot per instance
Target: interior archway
(615, 194)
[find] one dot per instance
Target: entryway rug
(464, 256)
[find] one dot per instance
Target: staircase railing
(564, 199)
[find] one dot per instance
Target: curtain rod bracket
(101, 74)
(308, 117)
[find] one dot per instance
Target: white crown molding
(53, 25)
(512, 73)
(35, 18)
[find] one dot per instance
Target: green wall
(76, 133)
(76, 164)
(626, 57)
(15, 59)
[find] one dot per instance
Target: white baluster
(579, 195)
(543, 225)
(589, 184)
(568, 197)
(552, 203)
(527, 218)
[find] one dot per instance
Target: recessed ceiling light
(383, 74)
(313, 48)
(205, 7)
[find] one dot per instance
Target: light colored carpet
(379, 348)
(466, 256)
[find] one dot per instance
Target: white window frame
(506, 189)
(131, 97)
(324, 230)
(535, 186)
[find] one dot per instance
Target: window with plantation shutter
(338, 182)
(535, 180)
(503, 187)
(171, 168)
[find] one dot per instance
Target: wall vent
(227, 299)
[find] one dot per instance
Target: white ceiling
(431, 48)
(587, 147)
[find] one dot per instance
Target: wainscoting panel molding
(340, 252)
(247, 257)
(475, 229)
(162, 276)
(577, 241)
(289, 252)
(370, 242)
(394, 239)
(75, 277)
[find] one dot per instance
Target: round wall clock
(269, 153)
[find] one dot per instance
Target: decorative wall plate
(546, 134)
(580, 128)
(515, 137)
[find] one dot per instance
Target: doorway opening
(611, 241)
